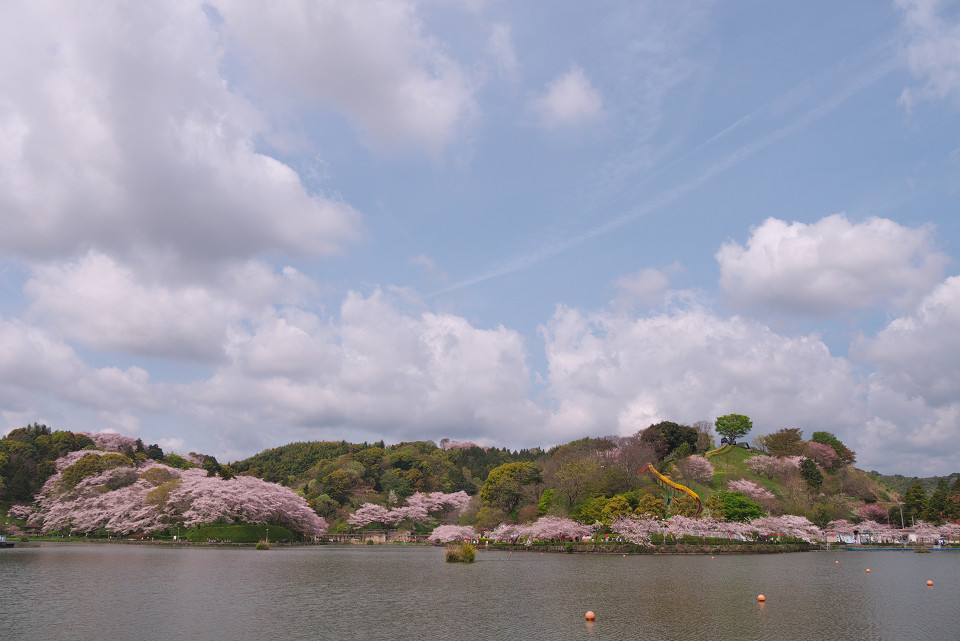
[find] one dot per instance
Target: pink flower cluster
(774, 466)
(751, 490)
(873, 513)
(190, 498)
(418, 508)
(638, 530)
(821, 454)
(695, 468)
(449, 533)
(20, 512)
(112, 442)
(925, 532)
(460, 445)
(546, 527)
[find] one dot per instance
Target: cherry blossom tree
(450, 533)
(871, 512)
(418, 509)
(695, 468)
(153, 497)
(821, 454)
(774, 466)
(112, 442)
(554, 527)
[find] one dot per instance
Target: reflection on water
(93, 592)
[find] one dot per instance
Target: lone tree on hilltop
(733, 426)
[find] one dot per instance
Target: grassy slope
(731, 464)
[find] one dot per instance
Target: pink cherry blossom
(695, 468)
(112, 442)
(190, 498)
(448, 533)
(552, 527)
(774, 466)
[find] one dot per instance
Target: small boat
(4, 543)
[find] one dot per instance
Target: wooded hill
(590, 479)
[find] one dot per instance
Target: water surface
(79, 592)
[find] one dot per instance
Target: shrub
(263, 545)
(463, 552)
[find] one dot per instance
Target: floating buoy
(591, 616)
(837, 562)
(930, 583)
(761, 598)
(868, 570)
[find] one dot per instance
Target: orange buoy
(868, 570)
(837, 562)
(591, 616)
(761, 598)
(929, 582)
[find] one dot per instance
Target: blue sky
(229, 225)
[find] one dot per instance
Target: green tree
(845, 456)
(914, 501)
(651, 506)
(785, 442)
(676, 434)
(616, 507)
(810, 473)
(737, 507)
(936, 507)
(546, 500)
(505, 485)
(733, 426)
(577, 478)
(820, 517)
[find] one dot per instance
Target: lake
(96, 592)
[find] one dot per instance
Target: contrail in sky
(551, 249)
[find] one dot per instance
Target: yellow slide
(652, 471)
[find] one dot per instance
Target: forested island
(782, 487)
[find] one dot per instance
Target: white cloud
(41, 376)
(106, 305)
(914, 391)
(646, 288)
(932, 50)
(117, 131)
(919, 354)
(830, 266)
(501, 49)
(570, 100)
(379, 371)
(371, 60)
(617, 373)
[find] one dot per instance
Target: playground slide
(652, 471)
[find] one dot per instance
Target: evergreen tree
(810, 473)
(936, 505)
(914, 502)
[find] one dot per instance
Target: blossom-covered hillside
(99, 491)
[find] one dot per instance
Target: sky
(226, 226)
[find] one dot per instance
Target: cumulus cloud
(569, 100)
(371, 60)
(119, 132)
(913, 392)
(831, 266)
(378, 370)
(106, 305)
(615, 372)
(41, 375)
(932, 50)
(919, 354)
